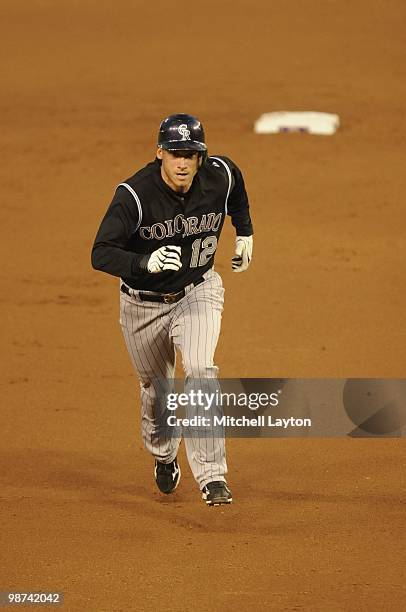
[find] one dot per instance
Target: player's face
(178, 168)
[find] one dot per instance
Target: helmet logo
(184, 132)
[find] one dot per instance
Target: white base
(285, 121)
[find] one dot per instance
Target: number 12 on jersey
(202, 250)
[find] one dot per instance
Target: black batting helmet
(181, 131)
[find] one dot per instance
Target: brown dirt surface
(316, 524)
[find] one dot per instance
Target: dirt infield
(316, 524)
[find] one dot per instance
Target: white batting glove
(243, 253)
(165, 258)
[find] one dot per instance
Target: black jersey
(146, 214)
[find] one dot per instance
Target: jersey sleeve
(109, 253)
(238, 206)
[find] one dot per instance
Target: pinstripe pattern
(152, 332)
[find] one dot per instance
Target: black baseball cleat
(216, 493)
(167, 475)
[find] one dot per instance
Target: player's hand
(165, 258)
(243, 253)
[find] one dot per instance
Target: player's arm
(110, 254)
(239, 210)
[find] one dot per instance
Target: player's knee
(197, 370)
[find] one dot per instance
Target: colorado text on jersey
(186, 226)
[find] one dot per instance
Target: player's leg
(195, 330)
(196, 326)
(145, 326)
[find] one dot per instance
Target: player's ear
(159, 152)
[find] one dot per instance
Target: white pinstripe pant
(153, 331)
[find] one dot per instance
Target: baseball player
(159, 236)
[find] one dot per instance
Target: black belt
(166, 298)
